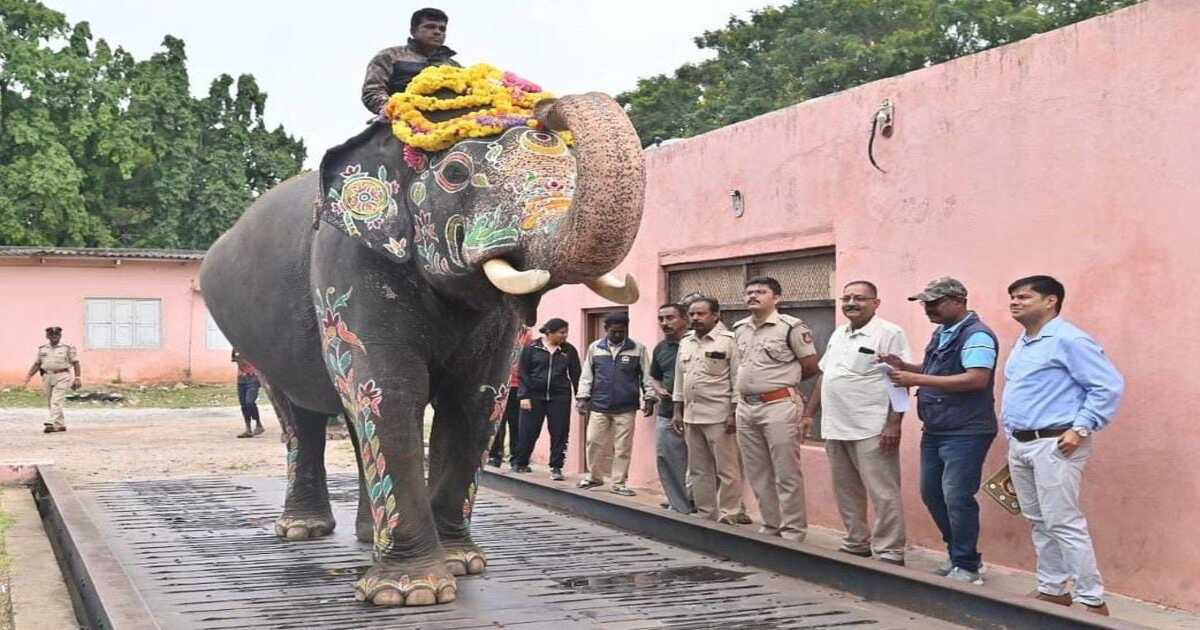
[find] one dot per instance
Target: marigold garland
(507, 101)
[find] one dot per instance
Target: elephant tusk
(614, 289)
(502, 275)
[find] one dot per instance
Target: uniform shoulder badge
(742, 321)
(790, 319)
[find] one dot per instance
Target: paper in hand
(897, 394)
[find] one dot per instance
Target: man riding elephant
(425, 258)
(392, 68)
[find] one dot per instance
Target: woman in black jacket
(550, 371)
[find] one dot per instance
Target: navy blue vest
(616, 384)
(956, 413)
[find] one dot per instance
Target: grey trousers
(671, 456)
(859, 470)
(1047, 485)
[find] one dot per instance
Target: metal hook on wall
(881, 123)
(738, 204)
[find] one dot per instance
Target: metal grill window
(808, 293)
(803, 279)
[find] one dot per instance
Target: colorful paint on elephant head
(363, 400)
(504, 193)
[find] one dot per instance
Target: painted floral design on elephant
(363, 198)
(362, 401)
(544, 201)
(491, 230)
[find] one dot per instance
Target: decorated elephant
(403, 285)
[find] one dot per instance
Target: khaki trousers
(859, 469)
(768, 435)
(712, 458)
(609, 442)
(56, 387)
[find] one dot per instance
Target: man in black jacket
(392, 68)
(549, 373)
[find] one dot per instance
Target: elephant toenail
(447, 594)
(388, 597)
(420, 597)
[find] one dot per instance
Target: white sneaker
(959, 574)
(946, 567)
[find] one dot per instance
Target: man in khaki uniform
(54, 361)
(705, 405)
(775, 352)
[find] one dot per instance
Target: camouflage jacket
(392, 69)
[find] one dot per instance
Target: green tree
(98, 149)
(780, 56)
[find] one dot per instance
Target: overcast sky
(309, 56)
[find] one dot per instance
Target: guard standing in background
(55, 360)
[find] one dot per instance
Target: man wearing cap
(54, 361)
(956, 405)
(1059, 389)
(775, 352)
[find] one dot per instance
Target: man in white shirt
(860, 427)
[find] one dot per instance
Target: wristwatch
(1081, 432)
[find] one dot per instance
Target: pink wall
(53, 293)
(1072, 153)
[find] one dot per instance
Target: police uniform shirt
(704, 376)
(56, 358)
(769, 353)
(855, 391)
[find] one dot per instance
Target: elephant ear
(361, 191)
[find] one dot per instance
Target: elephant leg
(465, 415)
(306, 511)
(364, 526)
(382, 378)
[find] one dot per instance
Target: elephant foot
(465, 558)
(301, 528)
(389, 584)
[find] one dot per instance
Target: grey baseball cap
(940, 288)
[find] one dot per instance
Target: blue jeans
(248, 399)
(951, 469)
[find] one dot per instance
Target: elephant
(392, 279)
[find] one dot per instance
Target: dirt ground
(107, 444)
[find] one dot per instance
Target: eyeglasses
(850, 299)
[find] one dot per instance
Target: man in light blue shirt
(1060, 389)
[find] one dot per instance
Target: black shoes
(556, 474)
(522, 469)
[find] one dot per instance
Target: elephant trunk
(610, 182)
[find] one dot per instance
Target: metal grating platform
(202, 554)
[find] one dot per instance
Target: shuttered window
(214, 339)
(123, 323)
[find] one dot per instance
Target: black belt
(1029, 436)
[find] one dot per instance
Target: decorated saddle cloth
(361, 189)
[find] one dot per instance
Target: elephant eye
(456, 173)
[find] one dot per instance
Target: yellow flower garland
(507, 99)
